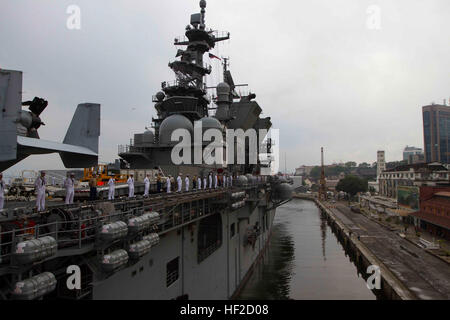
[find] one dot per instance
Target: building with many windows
(381, 163)
(436, 133)
(419, 174)
(434, 213)
(412, 154)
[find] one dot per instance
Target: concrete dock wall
(391, 287)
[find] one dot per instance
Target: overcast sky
(348, 75)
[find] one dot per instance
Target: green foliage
(350, 164)
(329, 171)
(364, 165)
(393, 164)
(352, 185)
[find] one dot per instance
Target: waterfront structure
(436, 133)
(412, 175)
(303, 170)
(331, 184)
(381, 163)
(375, 185)
(434, 213)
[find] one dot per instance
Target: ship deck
(78, 229)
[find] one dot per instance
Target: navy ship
(200, 243)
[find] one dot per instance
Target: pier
(408, 272)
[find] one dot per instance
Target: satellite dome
(160, 96)
(223, 87)
(210, 123)
(148, 137)
(170, 124)
(284, 191)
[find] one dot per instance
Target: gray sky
(323, 75)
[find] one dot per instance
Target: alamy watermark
(213, 146)
(74, 280)
(74, 19)
(373, 21)
(374, 281)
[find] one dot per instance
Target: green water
(304, 260)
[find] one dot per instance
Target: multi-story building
(434, 213)
(419, 174)
(381, 163)
(303, 170)
(411, 151)
(436, 133)
(416, 158)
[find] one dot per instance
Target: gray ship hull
(219, 276)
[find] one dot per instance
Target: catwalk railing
(82, 233)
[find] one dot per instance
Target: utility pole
(322, 183)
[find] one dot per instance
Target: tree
(352, 185)
(315, 172)
(350, 164)
(364, 165)
(329, 171)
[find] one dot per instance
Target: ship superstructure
(195, 244)
(185, 101)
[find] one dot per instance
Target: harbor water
(304, 260)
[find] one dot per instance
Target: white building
(419, 174)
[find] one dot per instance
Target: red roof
(432, 218)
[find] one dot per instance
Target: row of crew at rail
(176, 185)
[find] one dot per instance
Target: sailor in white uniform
(215, 180)
(199, 183)
(69, 184)
(230, 181)
(111, 188)
(179, 182)
(205, 183)
(2, 191)
(147, 185)
(130, 183)
(210, 180)
(168, 184)
(186, 182)
(40, 192)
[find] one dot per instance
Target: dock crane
(322, 183)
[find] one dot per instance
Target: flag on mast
(211, 56)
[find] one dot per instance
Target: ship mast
(322, 183)
(190, 69)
